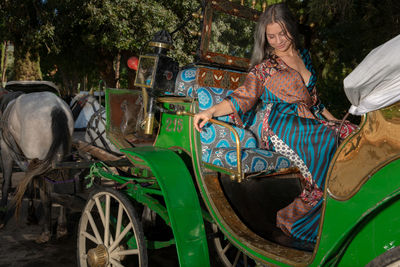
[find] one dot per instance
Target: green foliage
(231, 35)
(343, 33)
(28, 25)
(108, 28)
(82, 38)
(79, 41)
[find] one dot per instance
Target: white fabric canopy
(375, 83)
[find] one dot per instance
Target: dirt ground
(18, 247)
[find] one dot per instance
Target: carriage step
(87, 164)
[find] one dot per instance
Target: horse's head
(82, 100)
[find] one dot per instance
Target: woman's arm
(243, 98)
(328, 115)
(220, 109)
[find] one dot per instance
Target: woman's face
(277, 38)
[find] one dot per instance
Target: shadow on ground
(19, 249)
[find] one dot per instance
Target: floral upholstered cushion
(185, 84)
(218, 142)
(253, 159)
(219, 136)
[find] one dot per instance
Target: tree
(81, 41)
(102, 34)
(344, 32)
(78, 38)
(26, 24)
(3, 61)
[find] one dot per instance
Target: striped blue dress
(293, 127)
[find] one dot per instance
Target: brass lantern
(156, 74)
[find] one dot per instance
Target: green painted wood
(353, 232)
(181, 200)
(365, 226)
(174, 130)
(357, 230)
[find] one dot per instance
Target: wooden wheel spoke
(107, 222)
(109, 219)
(124, 252)
(236, 258)
(229, 254)
(122, 235)
(119, 220)
(103, 219)
(90, 237)
(226, 248)
(100, 210)
(94, 227)
(115, 263)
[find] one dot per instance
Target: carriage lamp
(156, 75)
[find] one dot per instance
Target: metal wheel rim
(112, 241)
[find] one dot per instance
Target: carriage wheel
(110, 233)
(229, 255)
(390, 258)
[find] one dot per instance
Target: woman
(296, 124)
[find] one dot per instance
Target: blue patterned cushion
(253, 159)
(218, 136)
(218, 143)
(185, 84)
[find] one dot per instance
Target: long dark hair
(277, 13)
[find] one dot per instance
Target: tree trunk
(131, 79)
(4, 53)
(117, 69)
(131, 74)
(26, 64)
(85, 82)
(70, 81)
(105, 64)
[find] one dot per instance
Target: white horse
(90, 115)
(36, 133)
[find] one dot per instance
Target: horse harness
(77, 107)
(6, 136)
(95, 120)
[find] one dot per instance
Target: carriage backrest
(211, 86)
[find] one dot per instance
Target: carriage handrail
(238, 175)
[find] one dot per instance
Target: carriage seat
(211, 86)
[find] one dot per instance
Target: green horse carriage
(217, 191)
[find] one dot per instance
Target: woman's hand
(220, 109)
(328, 115)
(200, 119)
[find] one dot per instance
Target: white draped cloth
(375, 82)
